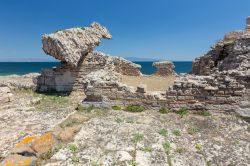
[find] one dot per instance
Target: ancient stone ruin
(219, 78)
(164, 68)
(248, 25)
(75, 48)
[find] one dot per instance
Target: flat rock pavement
(150, 138)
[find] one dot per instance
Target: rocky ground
(91, 136)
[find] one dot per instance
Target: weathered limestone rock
(19, 160)
(5, 95)
(248, 25)
(164, 68)
(71, 45)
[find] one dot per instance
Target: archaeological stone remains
(219, 78)
(75, 49)
(164, 68)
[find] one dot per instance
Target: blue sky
(161, 29)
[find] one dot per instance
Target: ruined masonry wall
(65, 78)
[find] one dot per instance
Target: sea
(21, 68)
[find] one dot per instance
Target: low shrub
(134, 108)
(203, 113)
(193, 130)
(164, 110)
(176, 132)
(167, 147)
(163, 132)
(182, 111)
(117, 108)
(137, 137)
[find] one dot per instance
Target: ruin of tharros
(248, 25)
(220, 77)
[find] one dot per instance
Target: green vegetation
(58, 147)
(47, 155)
(118, 120)
(62, 100)
(199, 147)
(117, 108)
(167, 147)
(94, 164)
(75, 159)
(164, 110)
(163, 132)
(73, 148)
(176, 132)
(134, 108)
(193, 130)
(203, 113)
(137, 137)
(130, 120)
(248, 128)
(181, 150)
(148, 149)
(182, 111)
(133, 163)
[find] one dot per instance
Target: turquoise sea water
(20, 68)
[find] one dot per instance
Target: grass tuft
(203, 113)
(138, 137)
(193, 130)
(182, 111)
(163, 132)
(164, 110)
(167, 147)
(176, 132)
(134, 108)
(73, 148)
(117, 108)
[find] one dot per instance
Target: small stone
(141, 88)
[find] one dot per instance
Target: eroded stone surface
(65, 78)
(110, 140)
(71, 45)
(164, 68)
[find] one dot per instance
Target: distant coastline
(22, 68)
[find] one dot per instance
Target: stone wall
(66, 78)
(227, 54)
(164, 68)
(248, 25)
(191, 91)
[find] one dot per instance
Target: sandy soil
(153, 83)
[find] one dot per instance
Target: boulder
(71, 45)
(5, 95)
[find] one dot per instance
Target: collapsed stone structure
(219, 78)
(75, 48)
(164, 68)
(248, 25)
